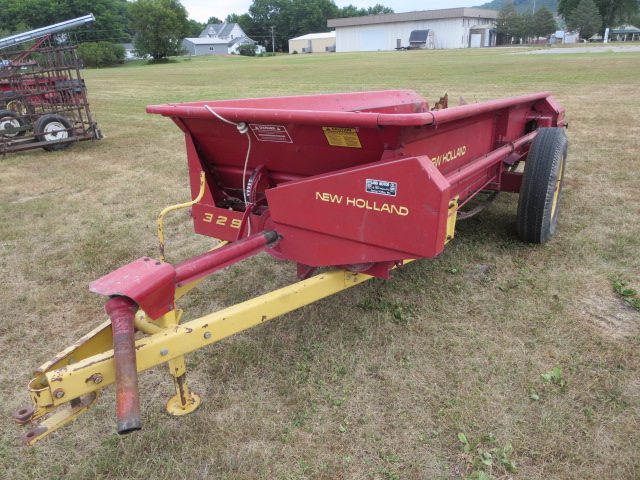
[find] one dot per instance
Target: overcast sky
(201, 10)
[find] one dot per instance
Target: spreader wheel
(49, 128)
(541, 188)
(8, 122)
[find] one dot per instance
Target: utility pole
(273, 41)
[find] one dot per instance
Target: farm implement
(43, 97)
(361, 183)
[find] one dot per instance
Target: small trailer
(359, 182)
(43, 97)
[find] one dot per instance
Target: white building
(451, 29)
(313, 43)
(222, 31)
(219, 39)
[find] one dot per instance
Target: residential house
(219, 39)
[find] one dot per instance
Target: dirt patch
(611, 316)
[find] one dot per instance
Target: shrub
(248, 50)
(101, 54)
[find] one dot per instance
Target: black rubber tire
(541, 188)
(14, 118)
(53, 127)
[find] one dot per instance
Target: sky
(202, 10)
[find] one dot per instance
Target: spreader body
(352, 179)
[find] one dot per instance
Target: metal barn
(451, 28)
(313, 43)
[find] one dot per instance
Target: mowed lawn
(434, 374)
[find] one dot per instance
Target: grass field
(434, 374)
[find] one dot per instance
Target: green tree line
(157, 27)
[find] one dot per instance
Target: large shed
(451, 28)
(313, 43)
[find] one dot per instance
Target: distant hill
(523, 6)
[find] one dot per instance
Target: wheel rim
(9, 122)
(17, 106)
(55, 131)
(557, 188)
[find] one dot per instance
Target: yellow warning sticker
(342, 137)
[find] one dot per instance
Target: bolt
(97, 378)
(164, 352)
(59, 393)
(145, 259)
(207, 335)
(157, 263)
(170, 307)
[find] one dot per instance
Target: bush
(248, 50)
(101, 54)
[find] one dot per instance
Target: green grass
(377, 382)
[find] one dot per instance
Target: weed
(400, 312)
(555, 377)
(628, 295)
(484, 460)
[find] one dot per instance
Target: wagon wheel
(8, 121)
(49, 128)
(16, 105)
(541, 188)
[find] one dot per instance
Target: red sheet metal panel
(320, 153)
(379, 212)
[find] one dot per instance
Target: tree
(195, 28)
(378, 9)
(292, 18)
(585, 19)
(101, 54)
(248, 50)
(309, 16)
(543, 23)
(353, 11)
(214, 20)
(110, 24)
(613, 12)
(245, 21)
(159, 27)
(510, 23)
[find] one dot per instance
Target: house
(625, 33)
(451, 28)
(223, 31)
(219, 39)
(313, 43)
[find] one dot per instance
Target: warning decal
(271, 133)
(342, 137)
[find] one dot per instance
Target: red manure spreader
(359, 182)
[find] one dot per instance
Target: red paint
(318, 197)
(121, 311)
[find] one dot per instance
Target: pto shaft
(121, 311)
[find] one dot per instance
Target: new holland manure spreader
(361, 182)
